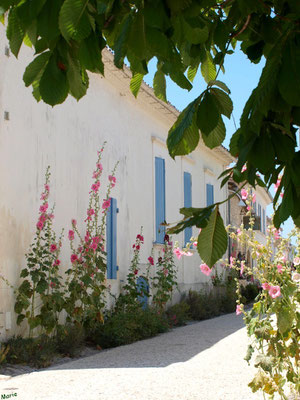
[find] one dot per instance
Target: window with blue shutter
(187, 187)
(209, 194)
(111, 239)
(160, 199)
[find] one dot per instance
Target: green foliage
(250, 291)
(178, 314)
(69, 339)
(203, 305)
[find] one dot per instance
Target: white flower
(296, 277)
(296, 260)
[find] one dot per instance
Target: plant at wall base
(86, 282)
(165, 278)
(273, 323)
(39, 297)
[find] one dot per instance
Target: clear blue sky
(241, 76)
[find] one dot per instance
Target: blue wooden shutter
(209, 194)
(111, 240)
(187, 186)
(160, 199)
(143, 289)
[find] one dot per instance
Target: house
(150, 185)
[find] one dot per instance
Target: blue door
(143, 288)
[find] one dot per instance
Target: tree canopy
(184, 36)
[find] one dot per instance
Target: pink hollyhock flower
(151, 261)
(43, 218)
(232, 261)
(47, 188)
(276, 234)
(74, 258)
(266, 286)
(177, 252)
(53, 247)
(205, 269)
(80, 248)
(43, 208)
(254, 198)
(187, 253)
(99, 166)
(93, 246)
(87, 237)
(73, 222)
(274, 291)
(140, 237)
(52, 284)
(238, 310)
(40, 225)
(106, 204)
(133, 246)
(296, 261)
(279, 268)
(165, 272)
(244, 194)
(95, 186)
(96, 174)
(284, 258)
(296, 276)
(51, 216)
(137, 247)
(242, 267)
(113, 180)
(56, 262)
(248, 208)
(44, 196)
(71, 235)
(96, 239)
(238, 231)
(195, 244)
(135, 272)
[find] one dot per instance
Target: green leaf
(15, 33)
(35, 67)
(212, 241)
(234, 147)
(159, 85)
(208, 114)
(250, 351)
(90, 55)
(78, 79)
(73, 20)
(120, 44)
(223, 102)
(195, 30)
(28, 11)
(220, 84)
(137, 37)
(20, 319)
(47, 21)
(54, 86)
(208, 68)
(289, 75)
(192, 72)
(284, 320)
(135, 83)
(287, 204)
(184, 134)
(265, 362)
(216, 136)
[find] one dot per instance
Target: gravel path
(201, 361)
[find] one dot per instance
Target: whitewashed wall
(67, 138)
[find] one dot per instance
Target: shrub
(203, 305)
(37, 352)
(179, 314)
(70, 339)
(250, 292)
(128, 326)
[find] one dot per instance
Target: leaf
(208, 114)
(78, 79)
(284, 319)
(223, 102)
(265, 362)
(208, 68)
(90, 55)
(73, 20)
(184, 134)
(121, 40)
(289, 75)
(220, 84)
(287, 204)
(212, 241)
(35, 67)
(53, 86)
(15, 33)
(159, 85)
(47, 21)
(135, 83)
(27, 11)
(192, 72)
(234, 143)
(250, 351)
(195, 30)
(41, 286)
(216, 136)
(137, 38)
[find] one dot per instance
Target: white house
(34, 135)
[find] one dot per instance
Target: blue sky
(241, 76)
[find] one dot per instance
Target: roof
(146, 93)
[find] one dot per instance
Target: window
(209, 194)
(187, 186)
(264, 221)
(160, 199)
(111, 239)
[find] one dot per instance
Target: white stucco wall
(67, 138)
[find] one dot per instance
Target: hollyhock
(238, 310)
(274, 291)
(51, 216)
(136, 272)
(296, 276)
(296, 261)
(238, 231)
(40, 225)
(177, 252)
(248, 208)
(205, 269)
(113, 180)
(165, 272)
(96, 239)
(53, 247)
(140, 237)
(284, 258)
(87, 237)
(232, 261)
(242, 267)
(187, 253)
(44, 196)
(279, 268)
(195, 244)
(137, 247)
(99, 166)
(151, 261)
(52, 284)
(47, 188)
(95, 186)
(96, 174)
(93, 246)
(43, 218)
(73, 222)
(265, 286)
(244, 194)
(74, 258)
(253, 198)
(44, 208)
(276, 234)
(56, 262)
(71, 235)
(106, 204)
